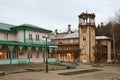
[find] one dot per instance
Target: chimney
(55, 32)
(69, 29)
(102, 24)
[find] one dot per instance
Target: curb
(20, 71)
(32, 70)
(6, 73)
(42, 69)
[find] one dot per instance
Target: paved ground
(19, 67)
(108, 73)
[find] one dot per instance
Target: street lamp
(46, 53)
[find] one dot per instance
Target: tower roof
(86, 15)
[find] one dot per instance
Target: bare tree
(117, 17)
(112, 30)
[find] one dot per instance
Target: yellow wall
(102, 42)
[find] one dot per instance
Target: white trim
(101, 37)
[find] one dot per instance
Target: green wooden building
(23, 44)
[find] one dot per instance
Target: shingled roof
(75, 35)
(5, 27)
(13, 28)
(31, 27)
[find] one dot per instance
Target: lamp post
(46, 58)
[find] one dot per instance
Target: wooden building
(82, 45)
(22, 43)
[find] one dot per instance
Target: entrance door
(84, 58)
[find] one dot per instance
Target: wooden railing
(67, 42)
(40, 41)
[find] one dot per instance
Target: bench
(72, 65)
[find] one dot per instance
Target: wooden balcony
(40, 41)
(67, 43)
(69, 50)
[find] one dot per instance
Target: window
(84, 47)
(71, 40)
(37, 37)
(6, 36)
(84, 29)
(92, 38)
(30, 36)
(84, 38)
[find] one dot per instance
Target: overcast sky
(55, 14)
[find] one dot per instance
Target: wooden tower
(86, 37)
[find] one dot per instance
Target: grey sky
(55, 14)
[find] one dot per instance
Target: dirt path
(107, 74)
